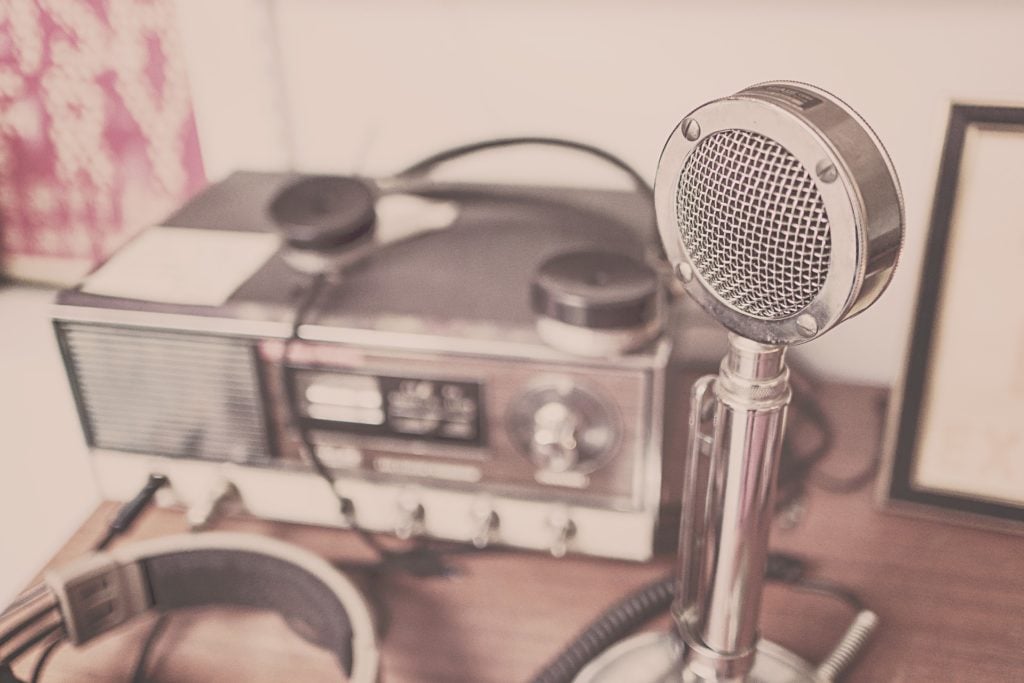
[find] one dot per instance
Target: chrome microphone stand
(727, 505)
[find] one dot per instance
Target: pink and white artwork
(97, 136)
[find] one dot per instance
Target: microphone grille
(754, 224)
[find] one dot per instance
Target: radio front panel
(508, 426)
(429, 395)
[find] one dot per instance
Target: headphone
(103, 590)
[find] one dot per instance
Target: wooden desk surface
(950, 599)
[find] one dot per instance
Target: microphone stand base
(657, 657)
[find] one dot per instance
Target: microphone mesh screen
(754, 224)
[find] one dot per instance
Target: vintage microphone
(782, 216)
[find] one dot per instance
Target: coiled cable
(616, 623)
(654, 598)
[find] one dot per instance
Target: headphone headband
(104, 590)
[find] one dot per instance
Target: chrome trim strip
(406, 341)
(175, 322)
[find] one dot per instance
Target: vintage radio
(469, 362)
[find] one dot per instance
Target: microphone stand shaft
(727, 507)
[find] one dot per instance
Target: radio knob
(555, 442)
(411, 518)
(486, 523)
(215, 499)
(563, 529)
(562, 428)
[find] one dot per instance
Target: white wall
(369, 86)
(46, 487)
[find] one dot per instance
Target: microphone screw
(826, 171)
(684, 271)
(807, 325)
(691, 129)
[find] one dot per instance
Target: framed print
(956, 441)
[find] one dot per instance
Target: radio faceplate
(491, 404)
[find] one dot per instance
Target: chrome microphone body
(782, 216)
(728, 499)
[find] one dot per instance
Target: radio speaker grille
(166, 393)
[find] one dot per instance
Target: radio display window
(446, 411)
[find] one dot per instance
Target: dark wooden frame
(896, 486)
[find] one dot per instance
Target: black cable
(293, 423)
(413, 558)
(799, 461)
(122, 521)
(650, 600)
(797, 468)
(851, 483)
(829, 589)
(416, 560)
(142, 663)
(30, 643)
(802, 467)
(865, 476)
(420, 559)
(26, 622)
(635, 610)
(44, 658)
(424, 166)
(429, 163)
(615, 623)
(29, 595)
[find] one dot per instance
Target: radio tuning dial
(562, 428)
(556, 430)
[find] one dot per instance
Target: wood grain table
(950, 599)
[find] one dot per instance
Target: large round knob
(562, 428)
(555, 436)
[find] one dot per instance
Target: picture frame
(955, 444)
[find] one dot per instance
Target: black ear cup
(324, 212)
